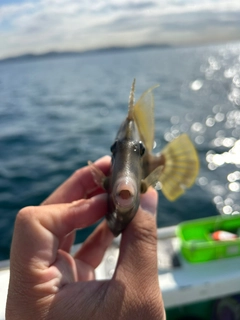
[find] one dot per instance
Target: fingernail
(104, 158)
(149, 201)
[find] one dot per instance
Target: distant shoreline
(54, 54)
(114, 49)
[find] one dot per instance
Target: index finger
(45, 227)
(79, 185)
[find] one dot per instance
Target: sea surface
(56, 114)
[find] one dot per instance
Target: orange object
(221, 235)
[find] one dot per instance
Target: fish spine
(131, 101)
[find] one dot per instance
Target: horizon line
(52, 53)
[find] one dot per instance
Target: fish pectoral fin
(179, 170)
(143, 113)
(153, 179)
(98, 176)
(181, 167)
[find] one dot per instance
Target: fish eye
(113, 147)
(142, 148)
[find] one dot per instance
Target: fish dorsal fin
(179, 170)
(130, 115)
(143, 113)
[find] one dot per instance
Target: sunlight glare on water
(223, 156)
(218, 87)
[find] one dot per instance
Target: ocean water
(56, 114)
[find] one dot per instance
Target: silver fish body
(126, 176)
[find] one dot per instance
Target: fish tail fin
(131, 101)
(181, 167)
(175, 169)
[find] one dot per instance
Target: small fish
(135, 168)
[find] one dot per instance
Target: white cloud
(79, 25)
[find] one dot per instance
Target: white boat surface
(181, 282)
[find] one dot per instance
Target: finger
(79, 185)
(95, 246)
(68, 241)
(138, 250)
(46, 226)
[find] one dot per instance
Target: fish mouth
(125, 193)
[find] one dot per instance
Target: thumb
(138, 249)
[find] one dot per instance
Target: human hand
(46, 282)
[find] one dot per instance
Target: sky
(38, 26)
